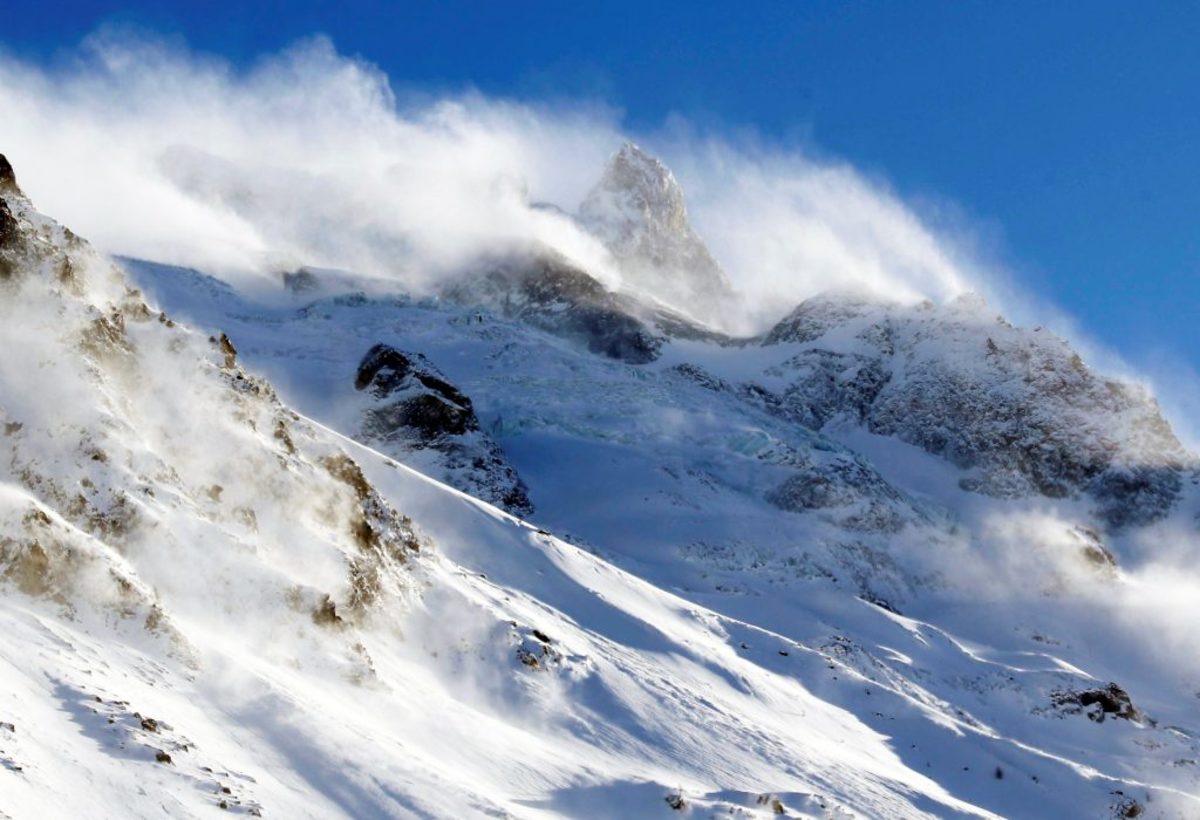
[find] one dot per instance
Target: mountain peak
(647, 182)
(8, 178)
(637, 209)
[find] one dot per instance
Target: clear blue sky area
(1072, 126)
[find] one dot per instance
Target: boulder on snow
(1097, 704)
(425, 419)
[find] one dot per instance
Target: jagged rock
(637, 209)
(418, 413)
(228, 352)
(13, 244)
(8, 226)
(31, 245)
(10, 236)
(428, 405)
(8, 177)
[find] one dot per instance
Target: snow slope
(669, 474)
(214, 597)
(207, 605)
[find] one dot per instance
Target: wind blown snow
(309, 157)
(747, 635)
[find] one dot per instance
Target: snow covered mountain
(637, 210)
(878, 562)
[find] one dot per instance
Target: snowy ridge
(1017, 409)
(683, 464)
(195, 575)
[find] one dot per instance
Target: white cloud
(306, 158)
(310, 157)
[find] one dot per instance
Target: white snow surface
(192, 619)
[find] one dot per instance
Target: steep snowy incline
(211, 602)
(675, 470)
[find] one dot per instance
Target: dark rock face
(386, 370)
(1018, 409)
(8, 226)
(10, 235)
(13, 242)
(419, 414)
(8, 178)
(419, 403)
(549, 293)
(430, 417)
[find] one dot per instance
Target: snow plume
(312, 158)
(788, 227)
(1100, 593)
(1176, 383)
(306, 158)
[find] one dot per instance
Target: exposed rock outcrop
(8, 177)
(418, 413)
(1098, 704)
(160, 443)
(549, 293)
(847, 490)
(1017, 409)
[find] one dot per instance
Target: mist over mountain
(389, 458)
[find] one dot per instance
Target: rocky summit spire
(637, 210)
(9, 229)
(8, 179)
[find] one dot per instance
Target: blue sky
(1069, 133)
